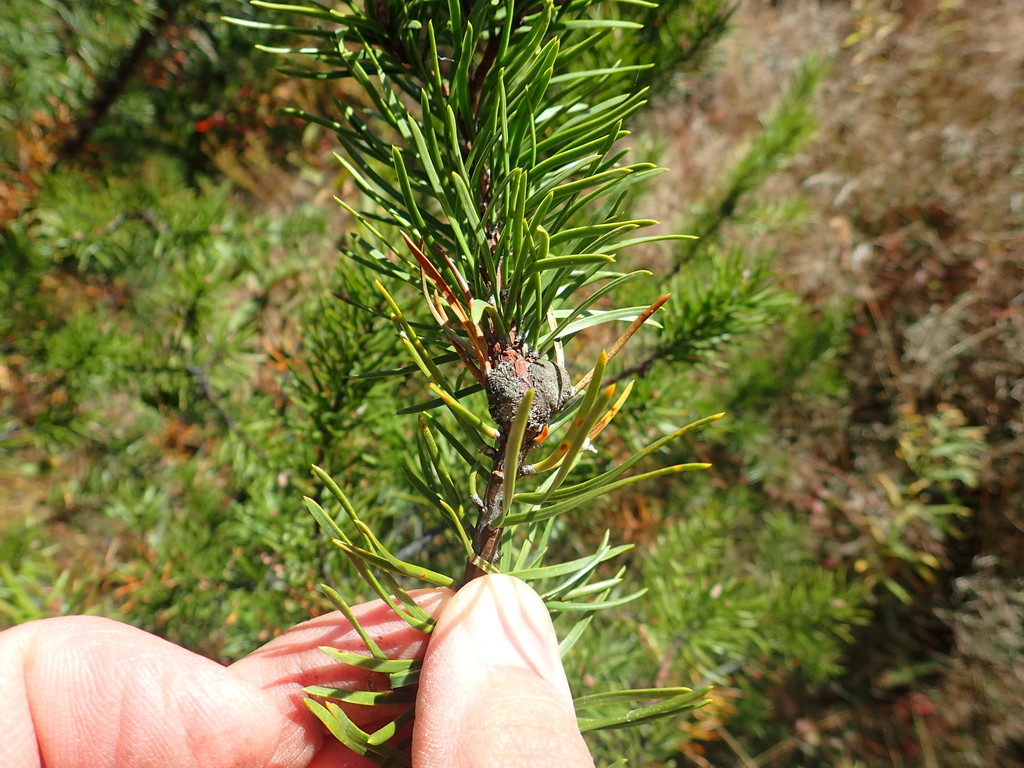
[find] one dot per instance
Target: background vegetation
(849, 575)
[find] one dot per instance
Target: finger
(87, 692)
(286, 665)
(493, 691)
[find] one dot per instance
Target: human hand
(86, 692)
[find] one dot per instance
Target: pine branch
(114, 84)
(494, 188)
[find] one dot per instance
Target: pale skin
(86, 692)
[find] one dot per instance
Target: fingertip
(493, 691)
(500, 621)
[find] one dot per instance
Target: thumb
(493, 691)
